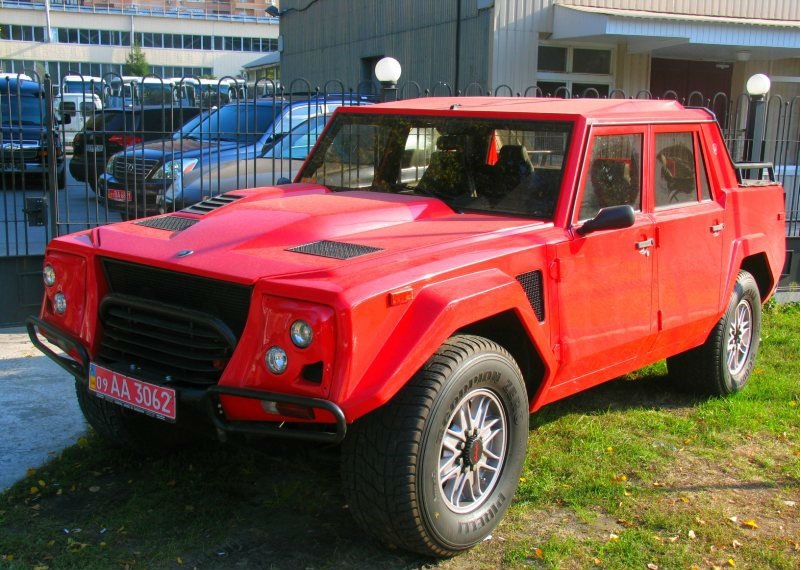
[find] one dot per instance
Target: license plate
(94, 148)
(119, 195)
(156, 401)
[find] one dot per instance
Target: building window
(575, 72)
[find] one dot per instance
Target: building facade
(178, 37)
(577, 46)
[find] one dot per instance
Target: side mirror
(283, 180)
(612, 218)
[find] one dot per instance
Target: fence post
(51, 189)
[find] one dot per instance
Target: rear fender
(748, 246)
(436, 313)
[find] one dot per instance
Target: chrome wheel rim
(473, 451)
(740, 337)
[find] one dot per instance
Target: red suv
(440, 269)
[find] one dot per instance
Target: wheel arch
(473, 304)
(507, 330)
(757, 265)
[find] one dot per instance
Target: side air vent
(532, 285)
(334, 249)
(211, 204)
(168, 223)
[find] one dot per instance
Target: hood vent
(211, 204)
(334, 249)
(168, 223)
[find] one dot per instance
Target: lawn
(629, 475)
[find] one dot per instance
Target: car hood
(171, 149)
(228, 175)
(298, 229)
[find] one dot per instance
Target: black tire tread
(697, 371)
(386, 441)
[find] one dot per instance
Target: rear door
(689, 226)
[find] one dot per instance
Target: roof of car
(594, 110)
(13, 83)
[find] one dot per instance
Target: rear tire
(723, 364)
(126, 428)
(434, 470)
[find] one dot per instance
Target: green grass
(625, 475)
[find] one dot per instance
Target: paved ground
(40, 415)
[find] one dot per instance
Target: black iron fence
(82, 152)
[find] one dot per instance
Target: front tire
(723, 364)
(434, 470)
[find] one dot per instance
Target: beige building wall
(222, 62)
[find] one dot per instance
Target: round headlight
(301, 334)
(49, 275)
(276, 360)
(60, 303)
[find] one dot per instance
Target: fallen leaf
(658, 484)
(42, 483)
(94, 489)
(750, 523)
(733, 519)
(180, 561)
(691, 534)
(684, 499)
(30, 472)
(673, 539)
(610, 449)
(34, 491)
(652, 566)
(620, 478)
(736, 543)
(731, 563)
(597, 561)
(613, 536)
(83, 442)
(538, 552)
(700, 521)
(624, 522)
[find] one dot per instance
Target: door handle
(645, 244)
(717, 228)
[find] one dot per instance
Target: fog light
(60, 303)
(276, 360)
(49, 275)
(301, 334)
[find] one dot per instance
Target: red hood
(250, 238)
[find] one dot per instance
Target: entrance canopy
(679, 35)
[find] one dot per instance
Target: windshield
(241, 122)
(485, 165)
(297, 144)
(27, 109)
(79, 87)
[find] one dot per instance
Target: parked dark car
(279, 164)
(24, 154)
(239, 132)
(112, 130)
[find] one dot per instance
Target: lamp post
(388, 71)
(757, 87)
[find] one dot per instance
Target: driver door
(605, 283)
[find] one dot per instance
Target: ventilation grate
(334, 249)
(532, 285)
(168, 223)
(211, 204)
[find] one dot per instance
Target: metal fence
(187, 139)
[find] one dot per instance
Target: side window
(614, 177)
(674, 170)
(706, 193)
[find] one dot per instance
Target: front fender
(435, 314)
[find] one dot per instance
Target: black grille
(164, 342)
(211, 204)
(334, 249)
(127, 167)
(532, 285)
(168, 323)
(168, 223)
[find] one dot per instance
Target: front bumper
(144, 200)
(204, 400)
